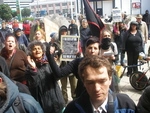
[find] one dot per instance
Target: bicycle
(139, 79)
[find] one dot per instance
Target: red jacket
(26, 29)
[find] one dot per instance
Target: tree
(5, 12)
(14, 13)
(25, 12)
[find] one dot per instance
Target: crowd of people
(31, 63)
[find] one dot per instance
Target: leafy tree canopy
(25, 12)
(5, 12)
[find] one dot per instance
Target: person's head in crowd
(36, 50)
(92, 46)
(106, 39)
(26, 22)
(84, 23)
(10, 42)
(15, 21)
(96, 74)
(72, 21)
(17, 32)
(121, 25)
(139, 18)
(63, 30)
(40, 35)
(54, 37)
(42, 26)
(133, 26)
(3, 24)
(37, 22)
(147, 12)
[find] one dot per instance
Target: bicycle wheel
(138, 81)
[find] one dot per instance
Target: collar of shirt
(102, 107)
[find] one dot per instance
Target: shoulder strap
(18, 106)
(110, 103)
(112, 47)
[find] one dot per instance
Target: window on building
(57, 4)
(51, 11)
(43, 6)
(64, 4)
(65, 10)
(58, 11)
(50, 5)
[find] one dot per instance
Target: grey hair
(35, 43)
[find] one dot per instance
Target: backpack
(18, 106)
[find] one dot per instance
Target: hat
(54, 35)
(133, 23)
(91, 40)
(139, 16)
(17, 30)
(63, 28)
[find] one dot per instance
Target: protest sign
(69, 46)
(116, 15)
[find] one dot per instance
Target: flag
(94, 21)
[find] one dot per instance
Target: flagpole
(71, 11)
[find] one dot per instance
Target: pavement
(124, 84)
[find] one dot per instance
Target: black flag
(94, 21)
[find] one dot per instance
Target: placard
(69, 46)
(116, 15)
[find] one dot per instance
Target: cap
(139, 16)
(17, 30)
(133, 23)
(91, 40)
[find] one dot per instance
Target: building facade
(12, 3)
(53, 7)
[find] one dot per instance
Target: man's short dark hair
(91, 40)
(95, 62)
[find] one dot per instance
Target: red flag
(94, 21)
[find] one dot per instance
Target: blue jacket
(122, 104)
(22, 40)
(29, 102)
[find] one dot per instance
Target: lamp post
(18, 10)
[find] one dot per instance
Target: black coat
(45, 89)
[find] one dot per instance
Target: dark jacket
(84, 35)
(22, 40)
(3, 33)
(122, 104)
(71, 67)
(146, 18)
(44, 88)
(4, 67)
(129, 47)
(144, 101)
(29, 102)
(73, 28)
